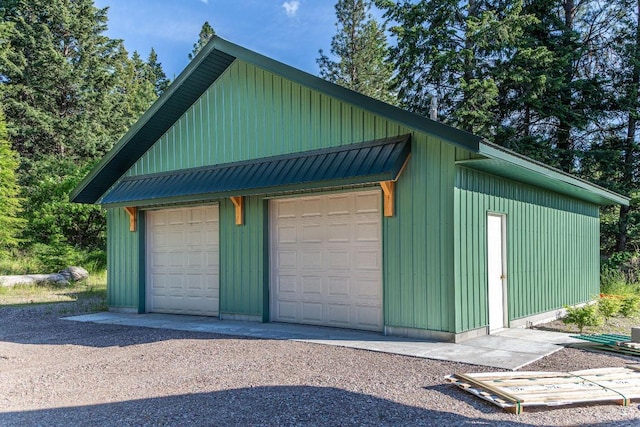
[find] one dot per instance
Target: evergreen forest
(556, 80)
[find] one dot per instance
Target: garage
(183, 261)
(326, 263)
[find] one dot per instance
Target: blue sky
(290, 31)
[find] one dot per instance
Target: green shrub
(586, 315)
(609, 307)
(630, 305)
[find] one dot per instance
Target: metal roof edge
(494, 151)
(404, 139)
(143, 120)
(279, 189)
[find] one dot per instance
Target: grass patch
(91, 293)
(43, 259)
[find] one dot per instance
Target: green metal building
(252, 190)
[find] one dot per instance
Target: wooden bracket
(133, 217)
(388, 188)
(238, 202)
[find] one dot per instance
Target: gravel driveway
(58, 372)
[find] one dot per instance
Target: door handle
(503, 276)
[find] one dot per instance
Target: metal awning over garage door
(326, 260)
(368, 162)
(183, 255)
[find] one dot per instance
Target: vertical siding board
(447, 274)
(122, 257)
(241, 259)
(552, 249)
(456, 256)
(407, 315)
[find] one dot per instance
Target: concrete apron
(506, 349)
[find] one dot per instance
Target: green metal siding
(418, 241)
(250, 113)
(242, 258)
(552, 248)
(123, 261)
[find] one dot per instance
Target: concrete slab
(506, 349)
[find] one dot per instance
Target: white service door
(183, 261)
(326, 260)
(496, 271)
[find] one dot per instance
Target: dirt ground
(58, 372)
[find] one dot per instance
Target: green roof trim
(508, 164)
(354, 164)
(203, 71)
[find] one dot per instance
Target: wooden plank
(514, 391)
(494, 390)
(133, 218)
(388, 189)
(238, 202)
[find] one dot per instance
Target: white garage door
(183, 261)
(326, 263)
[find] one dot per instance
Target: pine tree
(206, 32)
(10, 204)
(572, 105)
(458, 52)
(58, 78)
(361, 48)
(10, 223)
(69, 93)
(157, 74)
(613, 159)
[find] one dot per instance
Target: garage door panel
(368, 231)
(311, 207)
(183, 261)
(287, 285)
(339, 315)
(312, 233)
(175, 217)
(311, 312)
(287, 311)
(195, 238)
(311, 259)
(338, 205)
(339, 260)
(339, 286)
(368, 317)
(330, 258)
(287, 234)
(367, 203)
(287, 259)
(368, 288)
(311, 285)
(366, 259)
(339, 232)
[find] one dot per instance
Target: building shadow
(257, 406)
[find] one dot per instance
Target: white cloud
(291, 7)
(205, 1)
